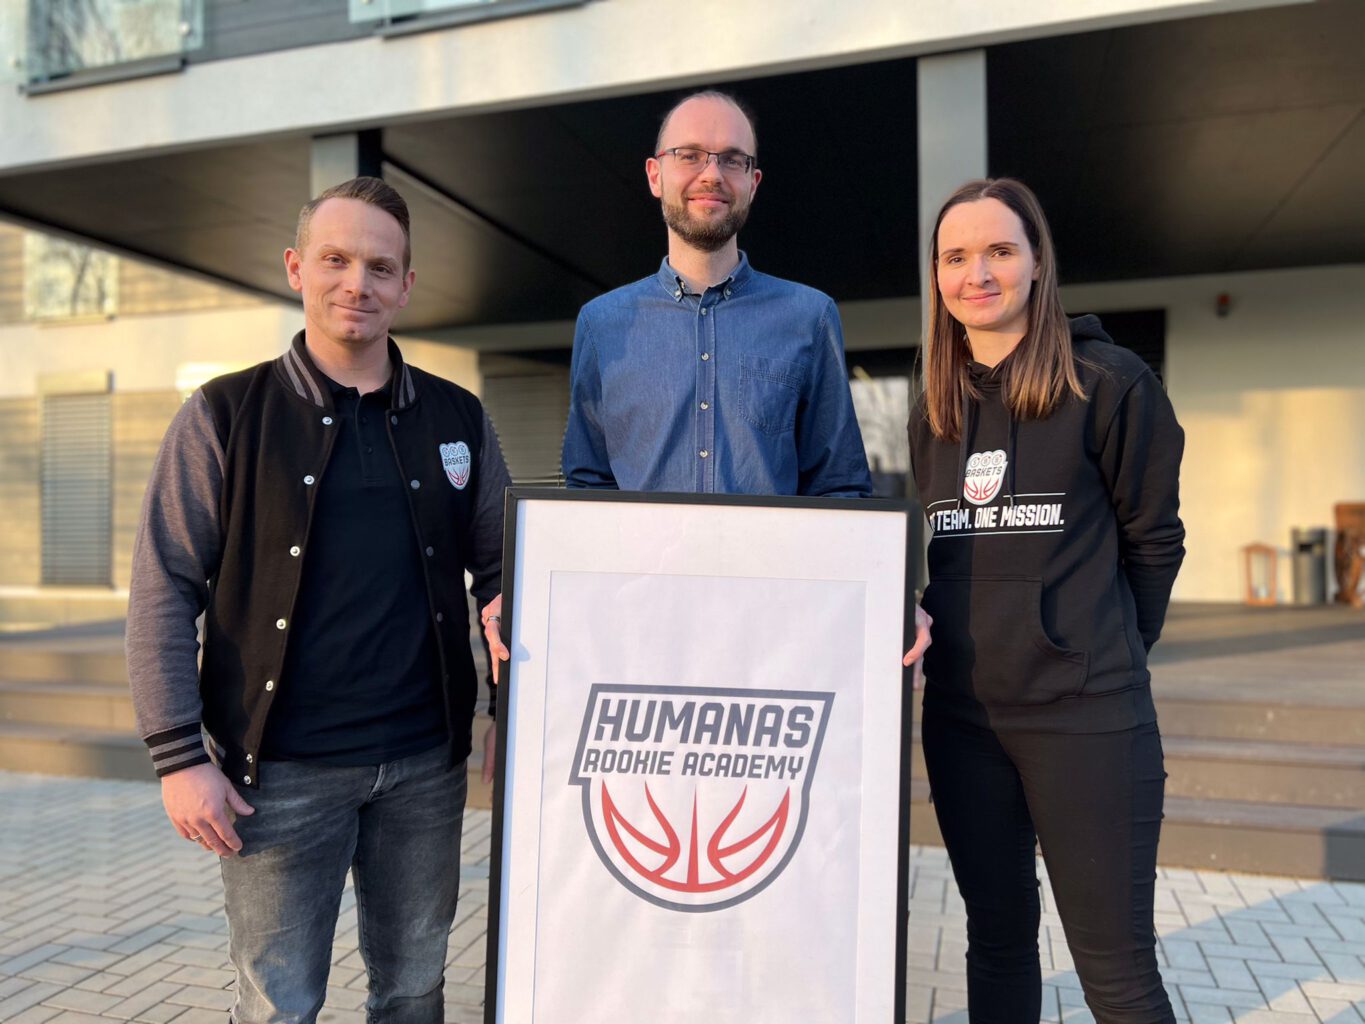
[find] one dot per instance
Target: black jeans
(1094, 804)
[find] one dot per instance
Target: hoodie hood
(1087, 328)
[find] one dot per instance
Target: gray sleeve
(484, 558)
(176, 552)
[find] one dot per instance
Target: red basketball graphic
(670, 849)
(695, 798)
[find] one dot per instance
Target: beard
(707, 236)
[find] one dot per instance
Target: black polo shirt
(360, 684)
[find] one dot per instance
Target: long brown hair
(1042, 369)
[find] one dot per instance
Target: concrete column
(951, 89)
(952, 141)
(338, 158)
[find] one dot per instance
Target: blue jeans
(396, 826)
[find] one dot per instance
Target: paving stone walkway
(107, 915)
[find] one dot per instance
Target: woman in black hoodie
(1047, 460)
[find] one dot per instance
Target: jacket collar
(299, 371)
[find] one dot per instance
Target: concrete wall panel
(20, 493)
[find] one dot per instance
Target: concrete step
(1261, 720)
(1249, 770)
(1263, 772)
(1230, 835)
(1284, 839)
(84, 705)
(27, 607)
(34, 663)
(69, 750)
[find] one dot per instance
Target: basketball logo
(695, 798)
(456, 460)
(985, 473)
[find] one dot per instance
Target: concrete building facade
(1199, 160)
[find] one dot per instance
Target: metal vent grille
(77, 500)
(529, 412)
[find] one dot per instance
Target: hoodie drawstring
(970, 416)
(964, 445)
(1009, 457)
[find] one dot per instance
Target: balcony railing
(46, 45)
(94, 40)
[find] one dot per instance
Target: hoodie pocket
(989, 642)
(769, 392)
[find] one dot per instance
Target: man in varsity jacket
(320, 511)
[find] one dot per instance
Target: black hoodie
(1055, 546)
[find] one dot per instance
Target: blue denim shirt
(739, 390)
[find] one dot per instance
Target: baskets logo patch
(696, 798)
(985, 473)
(457, 461)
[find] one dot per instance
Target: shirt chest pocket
(769, 392)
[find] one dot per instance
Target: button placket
(706, 392)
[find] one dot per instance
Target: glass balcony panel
(387, 10)
(70, 36)
(13, 42)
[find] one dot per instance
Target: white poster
(701, 807)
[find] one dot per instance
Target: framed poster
(701, 800)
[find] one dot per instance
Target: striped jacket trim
(174, 749)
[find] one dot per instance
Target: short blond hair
(375, 191)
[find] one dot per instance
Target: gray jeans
(396, 826)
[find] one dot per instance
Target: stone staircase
(1250, 787)
(1262, 717)
(1266, 774)
(64, 704)
(65, 708)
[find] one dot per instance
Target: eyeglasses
(730, 162)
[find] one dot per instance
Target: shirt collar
(314, 386)
(673, 284)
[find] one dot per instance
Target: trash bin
(1308, 548)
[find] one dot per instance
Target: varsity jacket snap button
(393, 420)
(249, 759)
(269, 684)
(326, 421)
(280, 623)
(294, 551)
(440, 617)
(308, 480)
(430, 551)
(414, 484)
(246, 779)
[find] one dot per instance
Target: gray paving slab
(106, 915)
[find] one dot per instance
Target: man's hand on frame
(492, 632)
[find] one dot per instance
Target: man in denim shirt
(709, 377)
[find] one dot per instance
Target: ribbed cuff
(174, 749)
